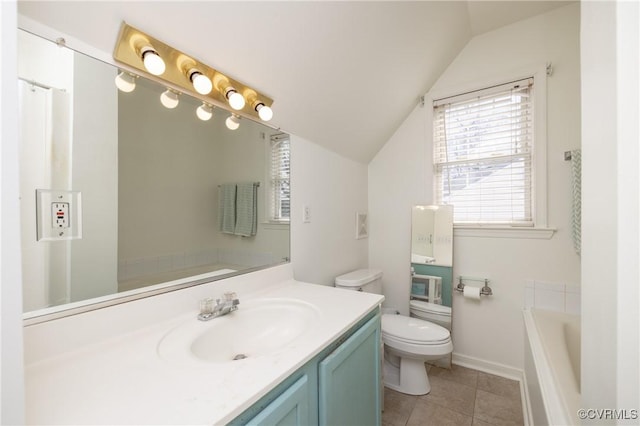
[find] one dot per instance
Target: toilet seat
(413, 331)
(415, 339)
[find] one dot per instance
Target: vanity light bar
(181, 72)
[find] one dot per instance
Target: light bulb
(232, 122)
(204, 111)
(264, 112)
(201, 82)
(236, 101)
(126, 82)
(152, 61)
(169, 99)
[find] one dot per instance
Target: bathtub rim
(554, 406)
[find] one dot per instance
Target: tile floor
(460, 396)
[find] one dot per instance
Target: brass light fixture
(188, 75)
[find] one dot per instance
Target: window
(279, 178)
(483, 150)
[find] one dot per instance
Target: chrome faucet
(210, 308)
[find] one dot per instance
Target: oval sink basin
(259, 327)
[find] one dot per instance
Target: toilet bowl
(408, 341)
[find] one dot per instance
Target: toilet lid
(433, 308)
(413, 330)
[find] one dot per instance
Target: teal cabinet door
(349, 380)
(289, 409)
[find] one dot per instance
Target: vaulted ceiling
(342, 74)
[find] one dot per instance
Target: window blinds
(280, 178)
(483, 147)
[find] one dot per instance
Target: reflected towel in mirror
(246, 209)
(227, 208)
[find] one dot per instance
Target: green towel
(246, 209)
(227, 208)
(576, 184)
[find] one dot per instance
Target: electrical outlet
(306, 214)
(60, 215)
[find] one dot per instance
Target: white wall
(628, 300)
(334, 188)
(11, 364)
(42, 61)
(401, 175)
(169, 169)
(94, 258)
(610, 295)
(397, 181)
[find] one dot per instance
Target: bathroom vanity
(310, 356)
(339, 386)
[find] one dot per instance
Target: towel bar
(255, 183)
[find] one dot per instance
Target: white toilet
(408, 341)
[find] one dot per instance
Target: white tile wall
(136, 268)
(572, 299)
(552, 296)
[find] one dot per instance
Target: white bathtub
(552, 366)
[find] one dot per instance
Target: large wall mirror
(121, 196)
(432, 265)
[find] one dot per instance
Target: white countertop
(121, 379)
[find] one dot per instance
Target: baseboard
(488, 366)
(501, 370)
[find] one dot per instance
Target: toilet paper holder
(484, 291)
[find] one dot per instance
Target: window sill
(503, 232)
(280, 226)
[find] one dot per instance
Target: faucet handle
(232, 297)
(206, 306)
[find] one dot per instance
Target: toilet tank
(366, 280)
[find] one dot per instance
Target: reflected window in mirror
(279, 178)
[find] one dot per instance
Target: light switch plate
(306, 214)
(50, 204)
